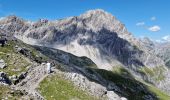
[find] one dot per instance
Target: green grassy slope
(131, 88)
(57, 88)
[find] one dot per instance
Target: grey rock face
(163, 51)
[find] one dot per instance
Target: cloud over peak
(154, 28)
(166, 38)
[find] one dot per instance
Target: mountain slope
(70, 70)
(119, 80)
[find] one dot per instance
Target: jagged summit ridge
(98, 19)
(94, 20)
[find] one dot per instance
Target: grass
(160, 95)
(82, 61)
(130, 87)
(156, 73)
(16, 63)
(57, 88)
(6, 93)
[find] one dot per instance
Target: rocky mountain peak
(97, 13)
(98, 19)
(11, 19)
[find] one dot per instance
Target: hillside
(66, 67)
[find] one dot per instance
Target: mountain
(97, 34)
(101, 37)
(163, 51)
(25, 68)
(25, 77)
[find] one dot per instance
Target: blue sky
(149, 18)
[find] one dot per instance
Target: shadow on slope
(127, 85)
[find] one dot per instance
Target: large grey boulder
(2, 63)
(112, 96)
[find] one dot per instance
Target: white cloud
(140, 23)
(154, 28)
(166, 38)
(153, 18)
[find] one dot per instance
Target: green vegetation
(16, 63)
(34, 54)
(123, 79)
(130, 87)
(55, 87)
(82, 61)
(135, 47)
(10, 94)
(4, 92)
(156, 73)
(161, 95)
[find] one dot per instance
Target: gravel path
(31, 82)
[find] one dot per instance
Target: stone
(2, 64)
(123, 98)
(22, 75)
(112, 96)
(4, 79)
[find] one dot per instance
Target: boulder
(2, 64)
(28, 53)
(4, 79)
(17, 78)
(123, 98)
(112, 96)
(22, 75)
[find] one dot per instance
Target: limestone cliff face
(95, 34)
(163, 51)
